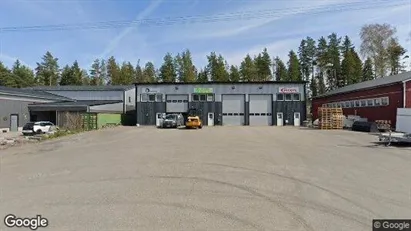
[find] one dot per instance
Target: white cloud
(9, 60)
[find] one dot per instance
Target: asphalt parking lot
(220, 178)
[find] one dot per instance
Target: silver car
(173, 121)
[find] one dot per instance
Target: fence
(77, 120)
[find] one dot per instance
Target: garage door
(233, 109)
(176, 103)
(260, 110)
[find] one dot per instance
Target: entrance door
(210, 121)
(14, 123)
(297, 119)
(159, 119)
(280, 119)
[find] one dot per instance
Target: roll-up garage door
(177, 103)
(233, 109)
(260, 110)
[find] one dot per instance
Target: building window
(203, 98)
(296, 97)
(280, 97)
(196, 98)
(210, 97)
(288, 97)
(144, 97)
(363, 103)
(357, 103)
(338, 104)
(385, 101)
(129, 99)
(352, 104)
(152, 98)
(377, 102)
(370, 102)
(347, 104)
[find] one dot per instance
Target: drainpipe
(404, 93)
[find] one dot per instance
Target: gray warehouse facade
(267, 103)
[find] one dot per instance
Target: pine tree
(263, 65)
(346, 45)
(113, 71)
(248, 70)
(7, 78)
(168, 71)
(127, 74)
(47, 72)
(85, 78)
(202, 76)
(149, 73)
(294, 70)
(367, 71)
(77, 74)
(185, 68)
(395, 52)
(357, 66)
(24, 76)
(95, 72)
(103, 75)
(321, 83)
(139, 76)
(314, 87)
(334, 71)
(280, 70)
(348, 69)
(66, 76)
(235, 75)
(217, 68)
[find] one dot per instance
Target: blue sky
(292, 21)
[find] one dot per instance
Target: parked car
(38, 127)
(173, 121)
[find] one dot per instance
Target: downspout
(404, 93)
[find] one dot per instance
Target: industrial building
(224, 103)
(19, 106)
(376, 99)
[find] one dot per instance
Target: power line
(203, 19)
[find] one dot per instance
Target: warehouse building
(376, 99)
(224, 103)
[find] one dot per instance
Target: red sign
(288, 90)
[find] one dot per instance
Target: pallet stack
(331, 118)
(383, 125)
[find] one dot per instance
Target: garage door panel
(233, 109)
(260, 112)
(176, 103)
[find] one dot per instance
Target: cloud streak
(116, 40)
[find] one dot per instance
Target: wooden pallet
(331, 118)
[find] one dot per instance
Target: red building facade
(375, 100)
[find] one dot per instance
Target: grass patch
(60, 133)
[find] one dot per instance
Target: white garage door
(176, 103)
(233, 109)
(260, 110)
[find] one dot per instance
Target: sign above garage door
(288, 89)
(201, 90)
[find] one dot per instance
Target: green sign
(203, 90)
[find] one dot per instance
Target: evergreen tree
(314, 87)
(367, 71)
(85, 78)
(6, 77)
(185, 67)
(294, 71)
(66, 76)
(103, 74)
(202, 76)
(357, 66)
(346, 46)
(24, 76)
(95, 72)
(263, 65)
(235, 75)
(334, 71)
(248, 70)
(77, 74)
(348, 69)
(127, 74)
(217, 68)
(47, 72)
(280, 70)
(139, 78)
(395, 52)
(113, 71)
(149, 73)
(168, 71)
(321, 83)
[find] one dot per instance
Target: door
(280, 119)
(210, 120)
(159, 118)
(14, 123)
(260, 110)
(233, 109)
(176, 103)
(297, 119)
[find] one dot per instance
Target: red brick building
(376, 99)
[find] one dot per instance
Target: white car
(38, 127)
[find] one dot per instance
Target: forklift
(193, 119)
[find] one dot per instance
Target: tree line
(328, 63)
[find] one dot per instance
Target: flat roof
(388, 80)
(24, 92)
(76, 103)
(83, 88)
(225, 82)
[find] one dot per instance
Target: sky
(278, 25)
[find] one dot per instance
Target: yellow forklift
(193, 119)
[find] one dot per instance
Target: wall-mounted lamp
(260, 87)
(176, 88)
(233, 87)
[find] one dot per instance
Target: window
(370, 102)
(159, 98)
(324, 105)
(377, 102)
(152, 98)
(280, 97)
(363, 103)
(334, 105)
(129, 99)
(210, 97)
(352, 104)
(296, 97)
(338, 104)
(288, 97)
(144, 97)
(196, 98)
(385, 101)
(357, 103)
(203, 97)
(347, 104)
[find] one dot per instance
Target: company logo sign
(203, 90)
(288, 90)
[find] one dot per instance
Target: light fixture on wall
(176, 88)
(233, 87)
(260, 87)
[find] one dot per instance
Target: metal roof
(388, 80)
(83, 88)
(76, 103)
(225, 82)
(23, 92)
